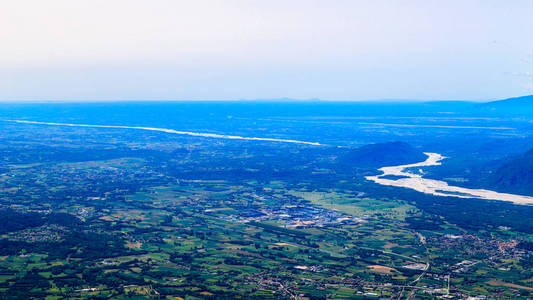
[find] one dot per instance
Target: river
(406, 179)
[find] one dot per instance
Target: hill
(516, 175)
(518, 105)
(383, 154)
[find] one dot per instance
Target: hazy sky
(228, 49)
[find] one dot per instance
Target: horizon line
(282, 99)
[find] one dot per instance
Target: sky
(82, 50)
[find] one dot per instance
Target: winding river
(401, 177)
(172, 131)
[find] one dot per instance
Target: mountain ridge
(515, 175)
(383, 154)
